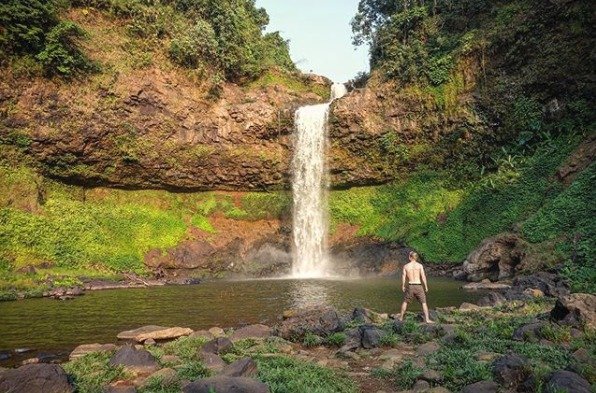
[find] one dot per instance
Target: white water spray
(309, 189)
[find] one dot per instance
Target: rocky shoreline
(516, 345)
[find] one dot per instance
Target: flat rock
(35, 378)
(154, 332)
(85, 349)
(245, 367)
(321, 321)
(251, 331)
(223, 384)
(481, 387)
(476, 286)
(134, 360)
(203, 333)
(212, 361)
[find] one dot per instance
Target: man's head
(413, 256)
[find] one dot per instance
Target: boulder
(212, 361)
(427, 348)
(241, 368)
(431, 376)
(154, 332)
(566, 381)
(511, 371)
(577, 309)
(492, 299)
(35, 378)
(223, 384)
(529, 332)
(217, 332)
(321, 321)
(421, 386)
(251, 331)
(134, 360)
(549, 284)
(84, 349)
(353, 340)
(219, 346)
(496, 258)
(371, 336)
(481, 387)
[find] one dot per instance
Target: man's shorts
(415, 291)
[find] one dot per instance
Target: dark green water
(51, 325)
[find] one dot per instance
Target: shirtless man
(414, 271)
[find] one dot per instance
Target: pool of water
(51, 325)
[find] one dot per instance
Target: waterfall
(309, 189)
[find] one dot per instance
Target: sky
(320, 35)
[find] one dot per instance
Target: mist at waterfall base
(309, 190)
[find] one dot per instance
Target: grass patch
(284, 375)
(92, 371)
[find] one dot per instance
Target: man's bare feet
(400, 318)
(430, 322)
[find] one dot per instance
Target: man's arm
(423, 276)
(403, 279)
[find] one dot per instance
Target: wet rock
(134, 360)
(577, 309)
(511, 371)
(251, 331)
(5, 356)
(321, 321)
(241, 368)
(481, 387)
(566, 381)
(529, 332)
(223, 384)
(20, 351)
(219, 346)
(35, 378)
(154, 332)
(496, 258)
(549, 284)
(371, 336)
(492, 299)
(212, 361)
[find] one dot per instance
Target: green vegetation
(223, 40)
(91, 372)
(32, 30)
(283, 374)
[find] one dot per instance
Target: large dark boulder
(577, 309)
(134, 360)
(496, 258)
(529, 332)
(511, 371)
(321, 321)
(35, 378)
(371, 336)
(223, 384)
(550, 284)
(353, 340)
(566, 381)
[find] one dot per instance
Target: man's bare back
(414, 272)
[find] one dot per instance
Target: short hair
(413, 255)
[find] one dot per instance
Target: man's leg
(426, 316)
(404, 306)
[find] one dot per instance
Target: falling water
(309, 189)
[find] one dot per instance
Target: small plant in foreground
(311, 340)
